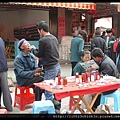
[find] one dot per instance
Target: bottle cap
(77, 73)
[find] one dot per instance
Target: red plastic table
(72, 90)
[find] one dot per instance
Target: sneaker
(57, 111)
(56, 102)
(1, 107)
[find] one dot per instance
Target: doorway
(104, 23)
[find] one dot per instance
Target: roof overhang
(72, 5)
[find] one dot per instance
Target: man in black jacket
(106, 67)
(48, 51)
(7, 100)
(99, 42)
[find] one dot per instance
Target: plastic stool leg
(15, 96)
(115, 96)
(51, 110)
(116, 103)
(103, 99)
(22, 99)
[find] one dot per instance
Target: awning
(75, 5)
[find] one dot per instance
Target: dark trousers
(4, 89)
(0, 95)
(97, 102)
(37, 90)
(73, 65)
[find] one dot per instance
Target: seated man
(26, 68)
(106, 67)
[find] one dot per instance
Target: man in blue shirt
(26, 68)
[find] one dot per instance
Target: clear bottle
(77, 78)
(80, 78)
(92, 77)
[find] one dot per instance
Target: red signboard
(61, 27)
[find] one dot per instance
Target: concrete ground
(66, 71)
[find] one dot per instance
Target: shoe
(94, 109)
(1, 107)
(10, 90)
(57, 111)
(83, 111)
(56, 102)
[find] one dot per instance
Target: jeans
(51, 75)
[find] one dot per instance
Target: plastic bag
(10, 82)
(104, 109)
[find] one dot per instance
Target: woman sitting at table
(85, 56)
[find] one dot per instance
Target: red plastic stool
(71, 103)
(3, 111)
(23, 96)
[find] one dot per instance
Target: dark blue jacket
(111, 38)
(99, 42)
(24, 66)
(3, 60)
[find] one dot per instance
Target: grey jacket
(3, 60)
(107, 66)
(99, 42)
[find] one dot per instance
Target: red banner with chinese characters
(61, 27)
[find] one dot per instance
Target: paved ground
(66, 71)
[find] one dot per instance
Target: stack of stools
(43, 107)
(24, 96)
(116, 96)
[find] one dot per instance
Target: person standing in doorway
(97, 28)
(110, 39)
(48, 51)
(103, 34)
(7, 99)
(99, 42)
(85, 35)
(76, 48)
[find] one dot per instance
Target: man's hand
(37, 74)
(38, 70)
(32, 47)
